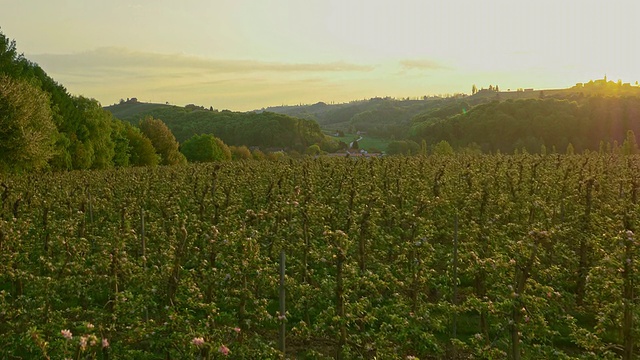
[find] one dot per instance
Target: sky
(248, 54)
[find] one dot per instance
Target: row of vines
(486, 257)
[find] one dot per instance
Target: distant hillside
(490, 120)
(380, 117)
(132, 109)
(394, 118)
(530, 124)
(265, 130)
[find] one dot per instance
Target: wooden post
(283, 310)
(144, 255)
(454, 300)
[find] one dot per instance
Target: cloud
(112, 73)
(120, 60)
(422, 64)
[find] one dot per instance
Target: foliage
(266, 130)
(27, 131)
(442, 148)
(205, 148)
(142, 151)
(313, 150)
(181, 262)
(240, 152)
(85, 136)
(163, 141)
(528, 124)
(403, 147)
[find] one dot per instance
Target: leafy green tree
(121, 143)
(27, 131)
(313, 150)
(141, 151)
(442, 148)
(403, 147)
(163, 141)
(258, 154)
(95, 132)
(240, 152)
(205, 148)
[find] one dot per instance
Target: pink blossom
(83, 342)
(105, 343)
(223, 350)
(197, 341)
(90, 326)
(66, 333)
(236, 329)
(93, 340)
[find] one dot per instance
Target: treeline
(265, 130)
(42, 126)
(588, 123)
(386, 118)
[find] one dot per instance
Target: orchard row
(521, 257)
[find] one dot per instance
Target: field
(485, 257)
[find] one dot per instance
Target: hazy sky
(249, 54)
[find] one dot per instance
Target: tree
(442, 148)
(205, 148)
(570, 149)
(474, 89)
(93, 134)
(27, 130)
(120, 141)
(240, 152)
(257, 154)
(163, 141)
(403, 147)
(630, 146)
(141, 151)
(313, 150)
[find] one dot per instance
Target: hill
(396, 118)
(265, 129)
(533, 124)
(491, 120)
(386, 118)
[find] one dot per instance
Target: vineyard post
(144, 255)
(628, 297)
(90, 207)
(454, 300)
(283, 324)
